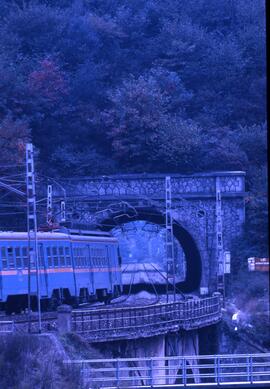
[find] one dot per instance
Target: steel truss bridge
(101, 325)
(230, 370)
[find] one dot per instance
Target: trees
(142, 120)
(14, 135)
(67, 65)
(128, 77)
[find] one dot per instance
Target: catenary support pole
(32, 230)
(49, 205)
(169, 240)
(219, 240)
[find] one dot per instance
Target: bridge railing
(182, 370)
(111, 323)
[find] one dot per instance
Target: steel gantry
(219, 239)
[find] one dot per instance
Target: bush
(28, 362)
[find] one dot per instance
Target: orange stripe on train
(60, 270)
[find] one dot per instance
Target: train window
(92, 257)
(81, 257)
(4, 258)
(76, 257)
(67, 254)
(84, 255)
(49, 256)
(10, 252)
(18, 257)
(55, 257)
(25, 257)
(41, 255)
(95, 258)
(32, 258)
(61, 256)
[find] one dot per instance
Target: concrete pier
(64, 318)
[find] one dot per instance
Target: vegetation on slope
(142, 86)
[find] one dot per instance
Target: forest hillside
(117, 86)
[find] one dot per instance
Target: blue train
(74, 267)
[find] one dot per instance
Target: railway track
(21, 321)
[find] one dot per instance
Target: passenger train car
(73, 267)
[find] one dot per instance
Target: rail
(6, 326)
(145, 321)
(175, 371)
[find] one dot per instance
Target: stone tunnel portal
(192, 255)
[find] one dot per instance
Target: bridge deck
(146, 321)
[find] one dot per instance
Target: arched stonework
(94, 201)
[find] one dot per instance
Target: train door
(43, 276)
(2, 259)
(110, 266)
(32, 275)
(91, 269)
(74, 273)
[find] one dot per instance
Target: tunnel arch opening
(185, 239)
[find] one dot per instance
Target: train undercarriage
(19, 303)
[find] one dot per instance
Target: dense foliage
(138, 86)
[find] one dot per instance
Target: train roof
(87, 232)
(96, 236)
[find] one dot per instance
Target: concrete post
(64, 318)
(221, 297)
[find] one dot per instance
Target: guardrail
(181, 370)
(6, 327)
(135, 322)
